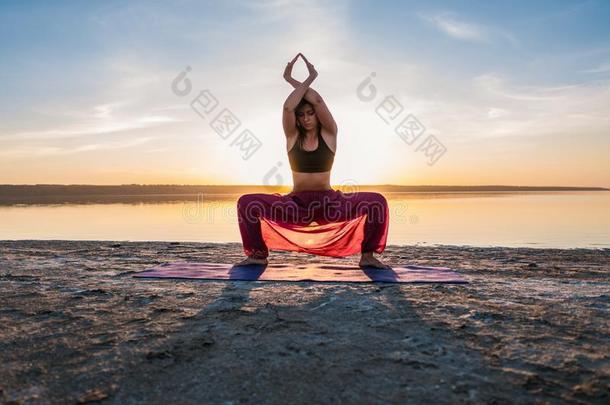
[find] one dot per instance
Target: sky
(423, 92)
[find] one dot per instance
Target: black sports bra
(319, 160)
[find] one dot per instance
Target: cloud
(455, 27)
(493, 105)
(79, 130)
(603, 68)
(105, 110)
(576, 109)
(449, 24)
(494, 112)
(39, 151)
(496, 84)
(98, 120)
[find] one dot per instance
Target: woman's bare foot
(367, 260)
(251, 260)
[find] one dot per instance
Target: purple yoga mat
(303, 272)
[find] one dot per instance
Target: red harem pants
(326, 223)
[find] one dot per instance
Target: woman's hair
(301, 130)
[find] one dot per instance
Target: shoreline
(530, 326)
(232, 245)
(12, 194)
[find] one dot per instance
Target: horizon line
(280, 186)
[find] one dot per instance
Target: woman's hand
(288, 70)
(310, 68)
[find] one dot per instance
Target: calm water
(543, 219)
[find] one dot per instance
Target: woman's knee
(261, 205)
(378, 206)
(378, 197)
(244, 200)
(251, 205)
(372, 198)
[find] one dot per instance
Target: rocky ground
(532, 326)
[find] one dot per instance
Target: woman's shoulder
(330, 139)
(327, 134)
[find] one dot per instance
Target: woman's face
(306, 116)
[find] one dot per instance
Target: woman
(311, 142)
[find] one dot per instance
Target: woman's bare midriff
(310, 181)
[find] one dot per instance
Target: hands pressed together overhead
(288, 71)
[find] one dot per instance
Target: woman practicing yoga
(311, 142)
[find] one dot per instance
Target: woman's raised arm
(297, 94)
(288, 117)
(314, 98)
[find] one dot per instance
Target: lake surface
(530, 219)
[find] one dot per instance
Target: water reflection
(552, 219)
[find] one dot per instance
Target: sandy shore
(532, 326)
